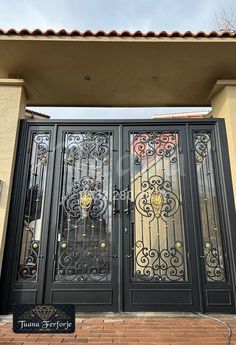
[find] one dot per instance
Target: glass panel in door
(158, 236)
(84, 231)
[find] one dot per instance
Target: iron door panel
(114, 217)
(29, 238)
(82, 252)
(160, 267)
(211, 225)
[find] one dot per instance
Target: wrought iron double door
(121, 217)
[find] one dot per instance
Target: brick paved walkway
(131, 331)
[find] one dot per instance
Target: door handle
(115, 193)
(128, 256)
(126, 210)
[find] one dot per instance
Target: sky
(144, 15)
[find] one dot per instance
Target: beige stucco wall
(224, 105)
(12, 108)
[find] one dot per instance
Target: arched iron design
(158, 265)
(30, 247)
(154, 144)
(156, 199)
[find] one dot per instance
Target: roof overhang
(117, 71)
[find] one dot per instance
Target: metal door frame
(20, 179)
(193, 283)
(50, 285)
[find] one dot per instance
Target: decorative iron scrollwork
(86, 200)
(209, 209)
(200, 145)
(30, 247)
(213, 263)
(156, 199)
(84, 264)
(154, 144)
(86, 208)
(87, 146)
(163, 265)
(28, 270)
(42, 147)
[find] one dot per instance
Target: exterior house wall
(12, 108)
(224, 106)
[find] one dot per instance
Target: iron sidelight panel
(209, 210)
(34, 205)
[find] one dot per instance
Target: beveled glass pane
(33, 213)
(209, 209)
(85, 212)
(159, 250)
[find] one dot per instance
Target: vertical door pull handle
(126, 210)
(115, 193)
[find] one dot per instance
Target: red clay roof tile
(114, 33)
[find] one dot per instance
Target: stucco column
(12, 108)
(223, 101)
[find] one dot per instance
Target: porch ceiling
(122, 69)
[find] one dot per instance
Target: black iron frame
(122, 299)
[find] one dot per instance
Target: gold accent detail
(86, 200)
(63, 245)
(208, 245)
(35, 245)
(102, 244)
(84, 235)
(157, 200)
(44, 312)
(178, 244)
(199, 159)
